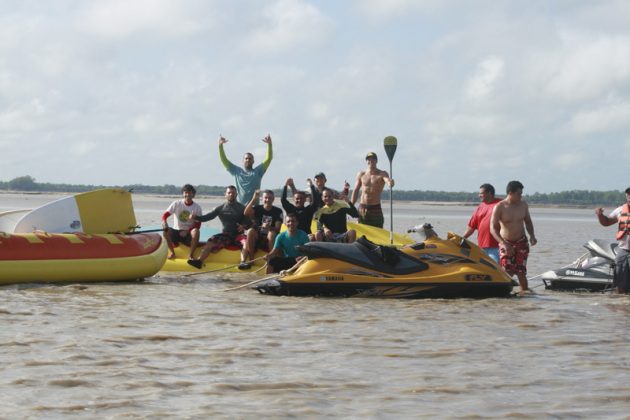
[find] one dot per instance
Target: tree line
(574, 197)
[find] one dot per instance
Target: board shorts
(336, 237)
(621, 278)
(227, 240)
(262, 242)
(517, 262)
(371, 214)
(177, 238)
(281, 263)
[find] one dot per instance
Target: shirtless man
(510, 219)
(371, 183)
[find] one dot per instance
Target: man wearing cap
(320, 185)
(621, 216)
(371, 183)
(247, 178)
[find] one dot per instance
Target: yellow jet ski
(432, 268)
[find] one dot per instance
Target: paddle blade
(390, 143)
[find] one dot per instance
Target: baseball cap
(371, 155)
(320, 175)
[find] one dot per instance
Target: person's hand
(267, 139)
(290, 183)
(508, 248)
(165, 225)
(599, 211)
(309, 181)
(240, 228)
(532, 240)
(391, 183)
(222, 140)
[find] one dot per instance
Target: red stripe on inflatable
(63, 246)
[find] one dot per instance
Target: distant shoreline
(406, 202)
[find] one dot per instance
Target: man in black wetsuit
(232, 216)
(332, 216)
(303, 213)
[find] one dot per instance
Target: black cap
(628, 190)
(371, 155)
(320, 175)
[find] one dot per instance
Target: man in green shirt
(248, 178)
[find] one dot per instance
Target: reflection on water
(182, 347)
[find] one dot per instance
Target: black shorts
(281, 263)
(177, 237)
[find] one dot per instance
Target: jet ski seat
(366, 254)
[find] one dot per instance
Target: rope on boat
(275, 276)
(272, 277)
(196, 273)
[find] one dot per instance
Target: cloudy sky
(137, 91)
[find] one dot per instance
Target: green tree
(23, 183)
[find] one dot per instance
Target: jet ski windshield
(601, 248)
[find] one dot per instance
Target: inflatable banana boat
(433, 268)
(79, 257)
(227, 259)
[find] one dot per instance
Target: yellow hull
(227, 260)
(434, 268)
(52, 258)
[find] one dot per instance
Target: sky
(119, 92)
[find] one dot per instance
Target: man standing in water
(371, 182)
(247, 178)
(510, 219)
(480, 221)
(621, 216)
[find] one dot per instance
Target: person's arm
(206, 217)
(529, 226)
(269, 156)
(357, 188)
(388, 180)
(352, 211)
(316, 201)
(469, 231)
(224, 160)
(495, 224)
(603, 219)
(249, 208)
(165, 217)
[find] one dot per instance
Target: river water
(179, 347)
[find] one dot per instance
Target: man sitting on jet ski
(332, 217)
(285, 253)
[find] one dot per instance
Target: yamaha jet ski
(592, 272)
(432, 268)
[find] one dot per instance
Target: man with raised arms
(303, 213)
(371, 183)
(248, 178)
(510, 219)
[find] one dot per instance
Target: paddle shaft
(391, 207)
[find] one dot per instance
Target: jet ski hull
(435, 268)
(592, 272)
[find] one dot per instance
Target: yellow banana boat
(79, 257)
(433, 268)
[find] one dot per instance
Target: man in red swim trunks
(510, 219)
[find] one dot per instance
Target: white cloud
(587, 65)
(117, 19)
(486, 76)
(287, 25)
(568, 160)
(611, 117)
(392, 9)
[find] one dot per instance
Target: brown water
(182, 347)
